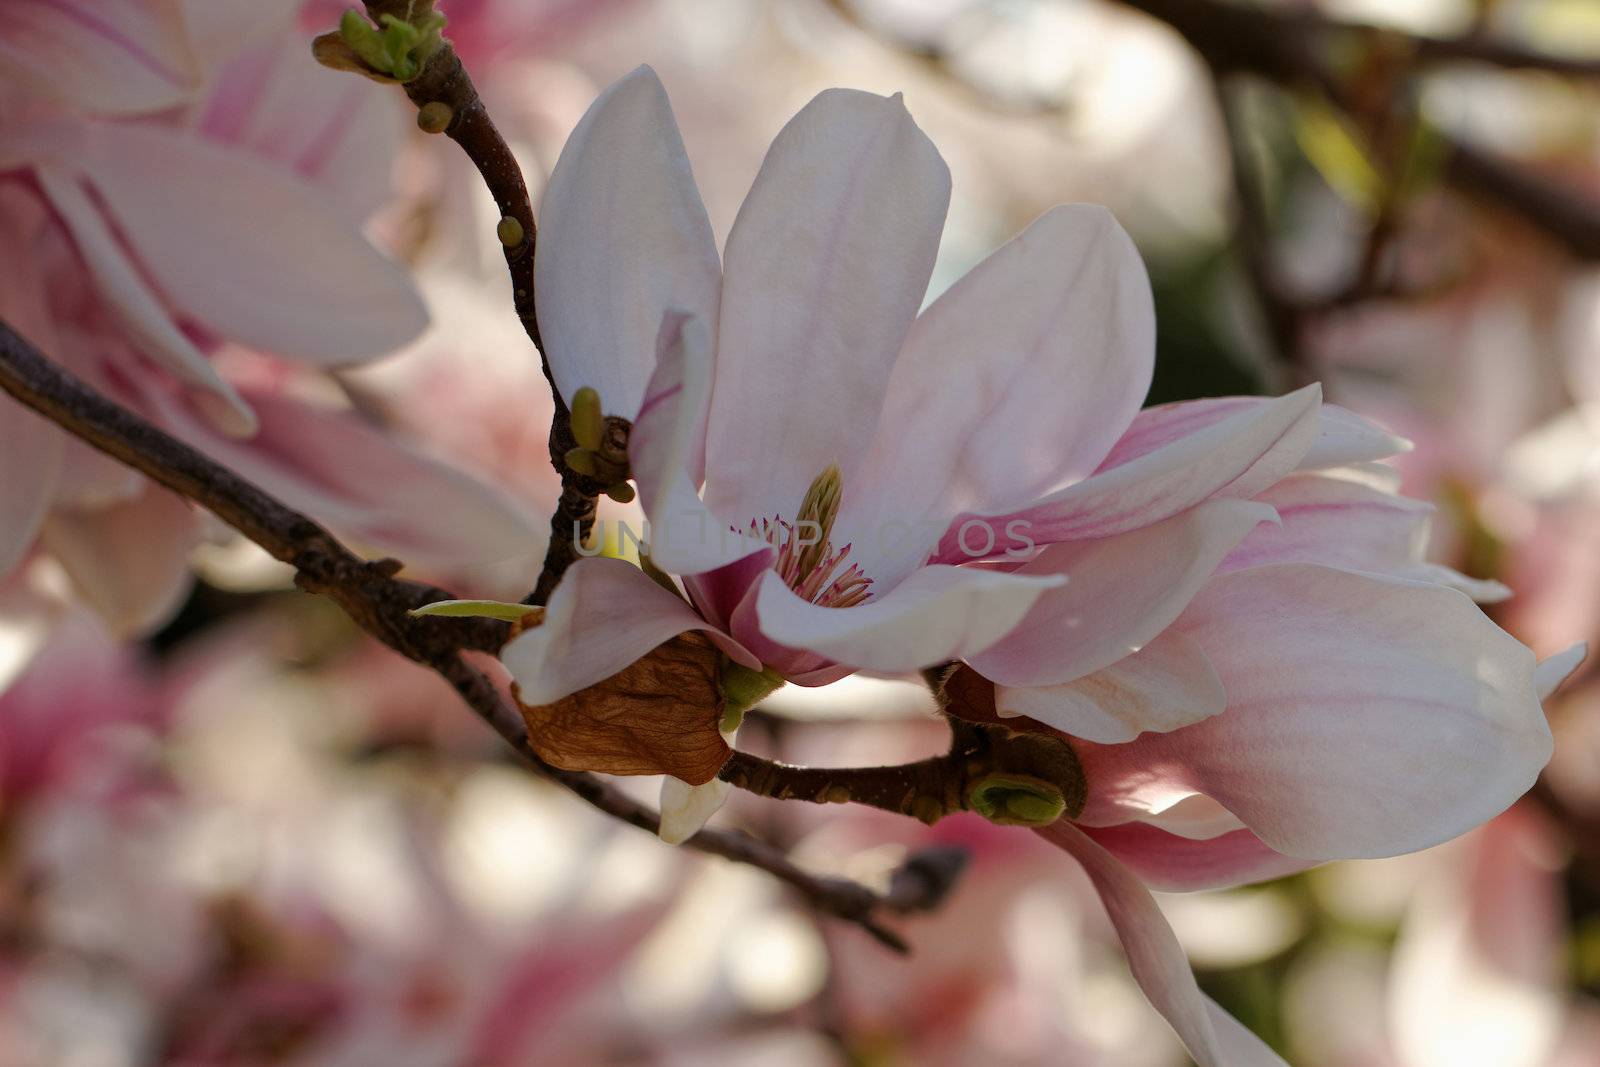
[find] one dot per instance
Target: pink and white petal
(1367, 716)
(253, 253)
(129, 562)
(826, 265)
(685, 808)
(1066, 303)
(1481, 590)
(1167, 684)
(605, 615)
(30, 465)
(1338, 522)
(1172, 863)
(273, 100)
(684, 537)
(138, 309)
(1343, 437)
(936, 615)
(116, 58)
(1158, 962)
(1235, 458)
(365, 484)
(623, 238)
(1124, 590)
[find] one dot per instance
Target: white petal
(826, 266)
(1166, 684)
(935, 615)
(1018, 379)
(1124, 590)
(685, 808)
(623, 238)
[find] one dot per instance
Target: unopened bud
(588, 423)
(434, 117)
(510, 232)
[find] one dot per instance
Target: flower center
(806, 559)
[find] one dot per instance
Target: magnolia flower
(817, 461)
(1320, 694)
(174, 203)
(792, 389)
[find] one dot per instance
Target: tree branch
(444, 88)
(378, 603)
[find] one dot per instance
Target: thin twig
(444, 81)
(376, 601)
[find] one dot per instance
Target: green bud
(365, 40)
(510, 232)
(1016, 800)
(434, 117)
(580, 460)
(588, 423)
(621, 492)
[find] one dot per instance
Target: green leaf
(476, 609)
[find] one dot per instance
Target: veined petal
(1167, 684)
(130, 298)
(1366, 717)
(252, 253)
(365, 484)
(623, 238)
(117, 58)
(1018, 379)
(1338, 522)
(1236, 457)
(685, 537)
(1172, 863)
(1343, 438)
(604, 615)
(935, 615)
(1213, 1037)
(1124, 590)
(826, 266)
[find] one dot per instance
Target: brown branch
(376, 601)
(444, 83)
(985, 763)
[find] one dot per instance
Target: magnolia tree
(1191, 645)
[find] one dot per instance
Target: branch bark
(379, 603)
(444, 81)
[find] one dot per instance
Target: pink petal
(117, 57)
(604, 615)
(1236, 457)
(1339, 522)
(684, 537)
(935, 615)
(251, 252)
(364, 484)
(129, 562)
(1213, 1038)
(140, 310)
(623, 238)
(826, 266)
(1167, 684)
(1122, 592)
(1366, 716)
(1175, 864)
(1063, 320)
(1343, 437)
